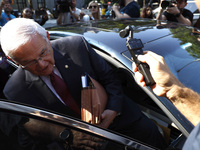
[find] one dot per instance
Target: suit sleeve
(105, 75)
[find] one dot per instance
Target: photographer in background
(75, 12)
(41, 13)
(41, 16)
(175, 12)
(64, 16)
(6, 15)
(67, 12)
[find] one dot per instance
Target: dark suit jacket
(76, 53)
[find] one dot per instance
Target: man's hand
(161, 74)
(81, 14)
(173, 10)
(186, 100)
(85, 141)
(107, 118)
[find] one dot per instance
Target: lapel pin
(66, 66)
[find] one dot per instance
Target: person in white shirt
(75, 12)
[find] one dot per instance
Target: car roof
(191, 5)
(104, 32)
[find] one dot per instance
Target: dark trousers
(139, 126)
(145, 131)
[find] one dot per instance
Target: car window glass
(24, 133)
(17, 132)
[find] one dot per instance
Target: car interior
(168, 129)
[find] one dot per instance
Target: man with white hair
(42, 62)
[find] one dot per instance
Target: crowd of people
(69, 13)
(175, 12)
(7, 14)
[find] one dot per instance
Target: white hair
(18, 32)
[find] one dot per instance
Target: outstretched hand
(88, 142)
(107, 118)
(173, 10)
(164, 78)
(85, 141)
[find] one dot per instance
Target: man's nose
(41, 62)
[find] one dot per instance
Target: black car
(177, 43)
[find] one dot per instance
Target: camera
(135, 48)
(167, 3)
(63, 5)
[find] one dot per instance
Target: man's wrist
(174, 93)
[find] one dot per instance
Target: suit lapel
(48, 98)
(39, 87)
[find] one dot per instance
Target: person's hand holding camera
(185, 99)
(81, 14)
(45, 16)
(165, 80)
(173, 9)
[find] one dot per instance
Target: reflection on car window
(21, 133)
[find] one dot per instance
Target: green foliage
(185, 37)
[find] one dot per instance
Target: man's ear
(48, 35)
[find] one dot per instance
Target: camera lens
(165, 4)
